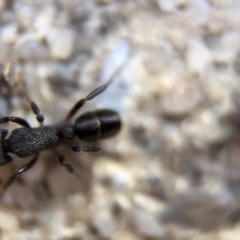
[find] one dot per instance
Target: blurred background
(173, 172)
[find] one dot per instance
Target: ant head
(97, 125)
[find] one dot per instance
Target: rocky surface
(173, 171)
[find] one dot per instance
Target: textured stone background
(174, 170)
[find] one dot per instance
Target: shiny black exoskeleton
(26, 141)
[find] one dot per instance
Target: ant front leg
(22, 122)
(20, 171)
(4, 157)
(36, 111)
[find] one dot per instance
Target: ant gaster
(26, 141)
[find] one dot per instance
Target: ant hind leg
(63, 162)
(20, 171)
(95, 92)
(87, 148)
(82, 101)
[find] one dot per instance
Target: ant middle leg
(21, 121)
(20, 171)
(36, 111)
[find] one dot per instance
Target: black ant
(26, 141)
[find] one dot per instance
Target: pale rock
(9, 34)
(198, 57)
(167, 6)
(61, 42)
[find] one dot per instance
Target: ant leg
(95, 92)
(63, 162)
(87, 148)
(17, 120)
(22, 121)
(82, 101)
(36, 111)
(20, 171)
(4, 157)
(90, 148)
(75, 147)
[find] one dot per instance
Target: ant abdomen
(97, 124)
